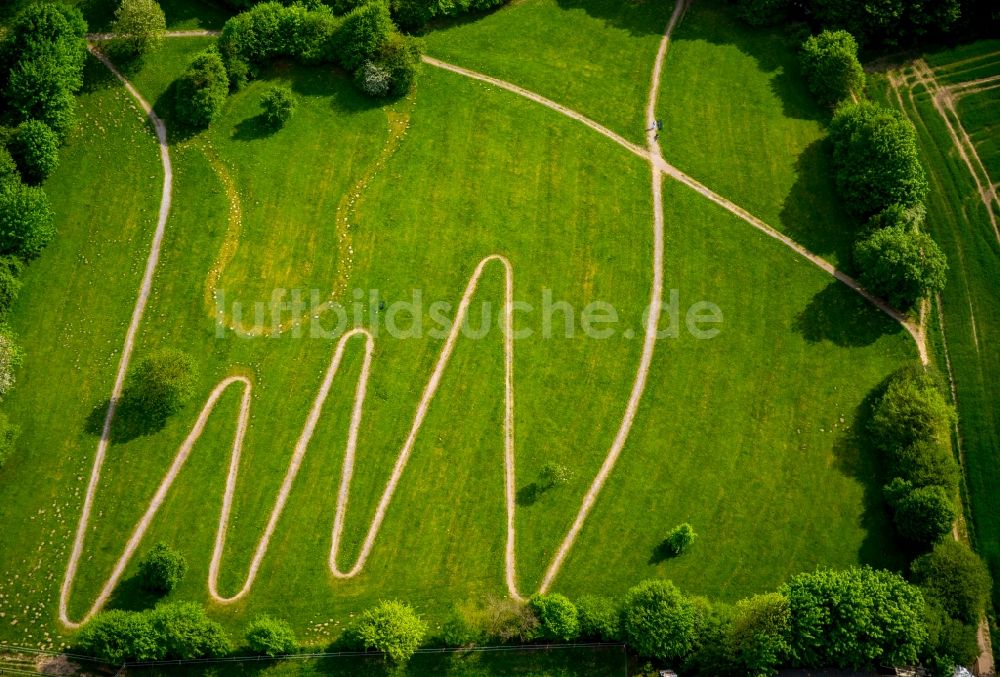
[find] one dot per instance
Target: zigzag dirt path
(659, 167)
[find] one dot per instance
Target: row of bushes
(878, 176)
(41, 68)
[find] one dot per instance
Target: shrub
(757, 639)
(901, 265)
(508, 620)
(185, 632)
(399, 58)
(363, 33)
(270, 636)
(831, 67)
(922, 514)
(557, 615)
(394, 628)
(8, 436)
(658, 620)
(25, 220)
(554, 475)
(600, 618)
(680, 539)
(278, 104)
(911, 409)
(927, 463)
(854, 619)
(201, 91)
(710, 656)
(876, 162)
(8, 168)
(10, 359)
(35, 149)
(117, 636)
(140, 25)
(954, 578)
(373, 79)
(161, 569)
(161, 383)
(949, 643)
(910, 218)
(10, 283)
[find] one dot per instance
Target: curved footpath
(659, 167)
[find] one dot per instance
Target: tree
(901, 265)
(927, 463)
(201, 92)
(161, 383)
(557, 615)
(270, 636)
(25, 220)
(35, 148)
(950, 642)
(758, 635)
(658, 620)
(8, 168)
(922, 514)
(854, 619)
(680, 539)
(909, 218)
(712, 626)
(363, 33)
(875, 157)
(600, 618)
(140, 25)
(887, 24)
(394, 628)
(185, 632)
(161, 569)
(955, 578)
(10, 283)
(554, 475)
(10, 359)
(399, 57)
(278, 104)
(911, 409)
(117, 636)
(8, 436)
(830, 64)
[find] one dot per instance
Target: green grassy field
(959, 221)
(764, 148)
(753, 436)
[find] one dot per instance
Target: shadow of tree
(638, 17)
(839, 315)
(529, 494)
(661, 553)
(855, 456)
(811, 213)
(130, 422)
(253, 128)
(129, 595)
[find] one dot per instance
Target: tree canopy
(394, 628)
(831, 67)
(901, 264)
(658, 620)
(139, 25)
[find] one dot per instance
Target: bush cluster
(364, 41)
(270, 636)
(278, 105)
(161, 569)
(829, 62)
(200, 93)
(178, 630)
(911, 425)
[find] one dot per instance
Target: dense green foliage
(270, 636)
(10, 282)
(35, 149)
(926, 463)
(116, 636)
(680, 538)
(183, 631)
(950, 642)
(855, 619)
(41, 64)
(954, 578)
(200, 93)
(911, 409)
(922, 514)
(11, 357)
(139, 26)
(161, 569)
(901, 265)
(558, 616)
(600, 618)
(362, 35)
(25, 220)
(875, 157)
(658, 620)
(278, 105)
(830, 64)
(393, 628)
(415, 13)
(160, 384)
(898, 216)
(758, 636)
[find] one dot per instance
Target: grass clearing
(738, 435)
(764, 148)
